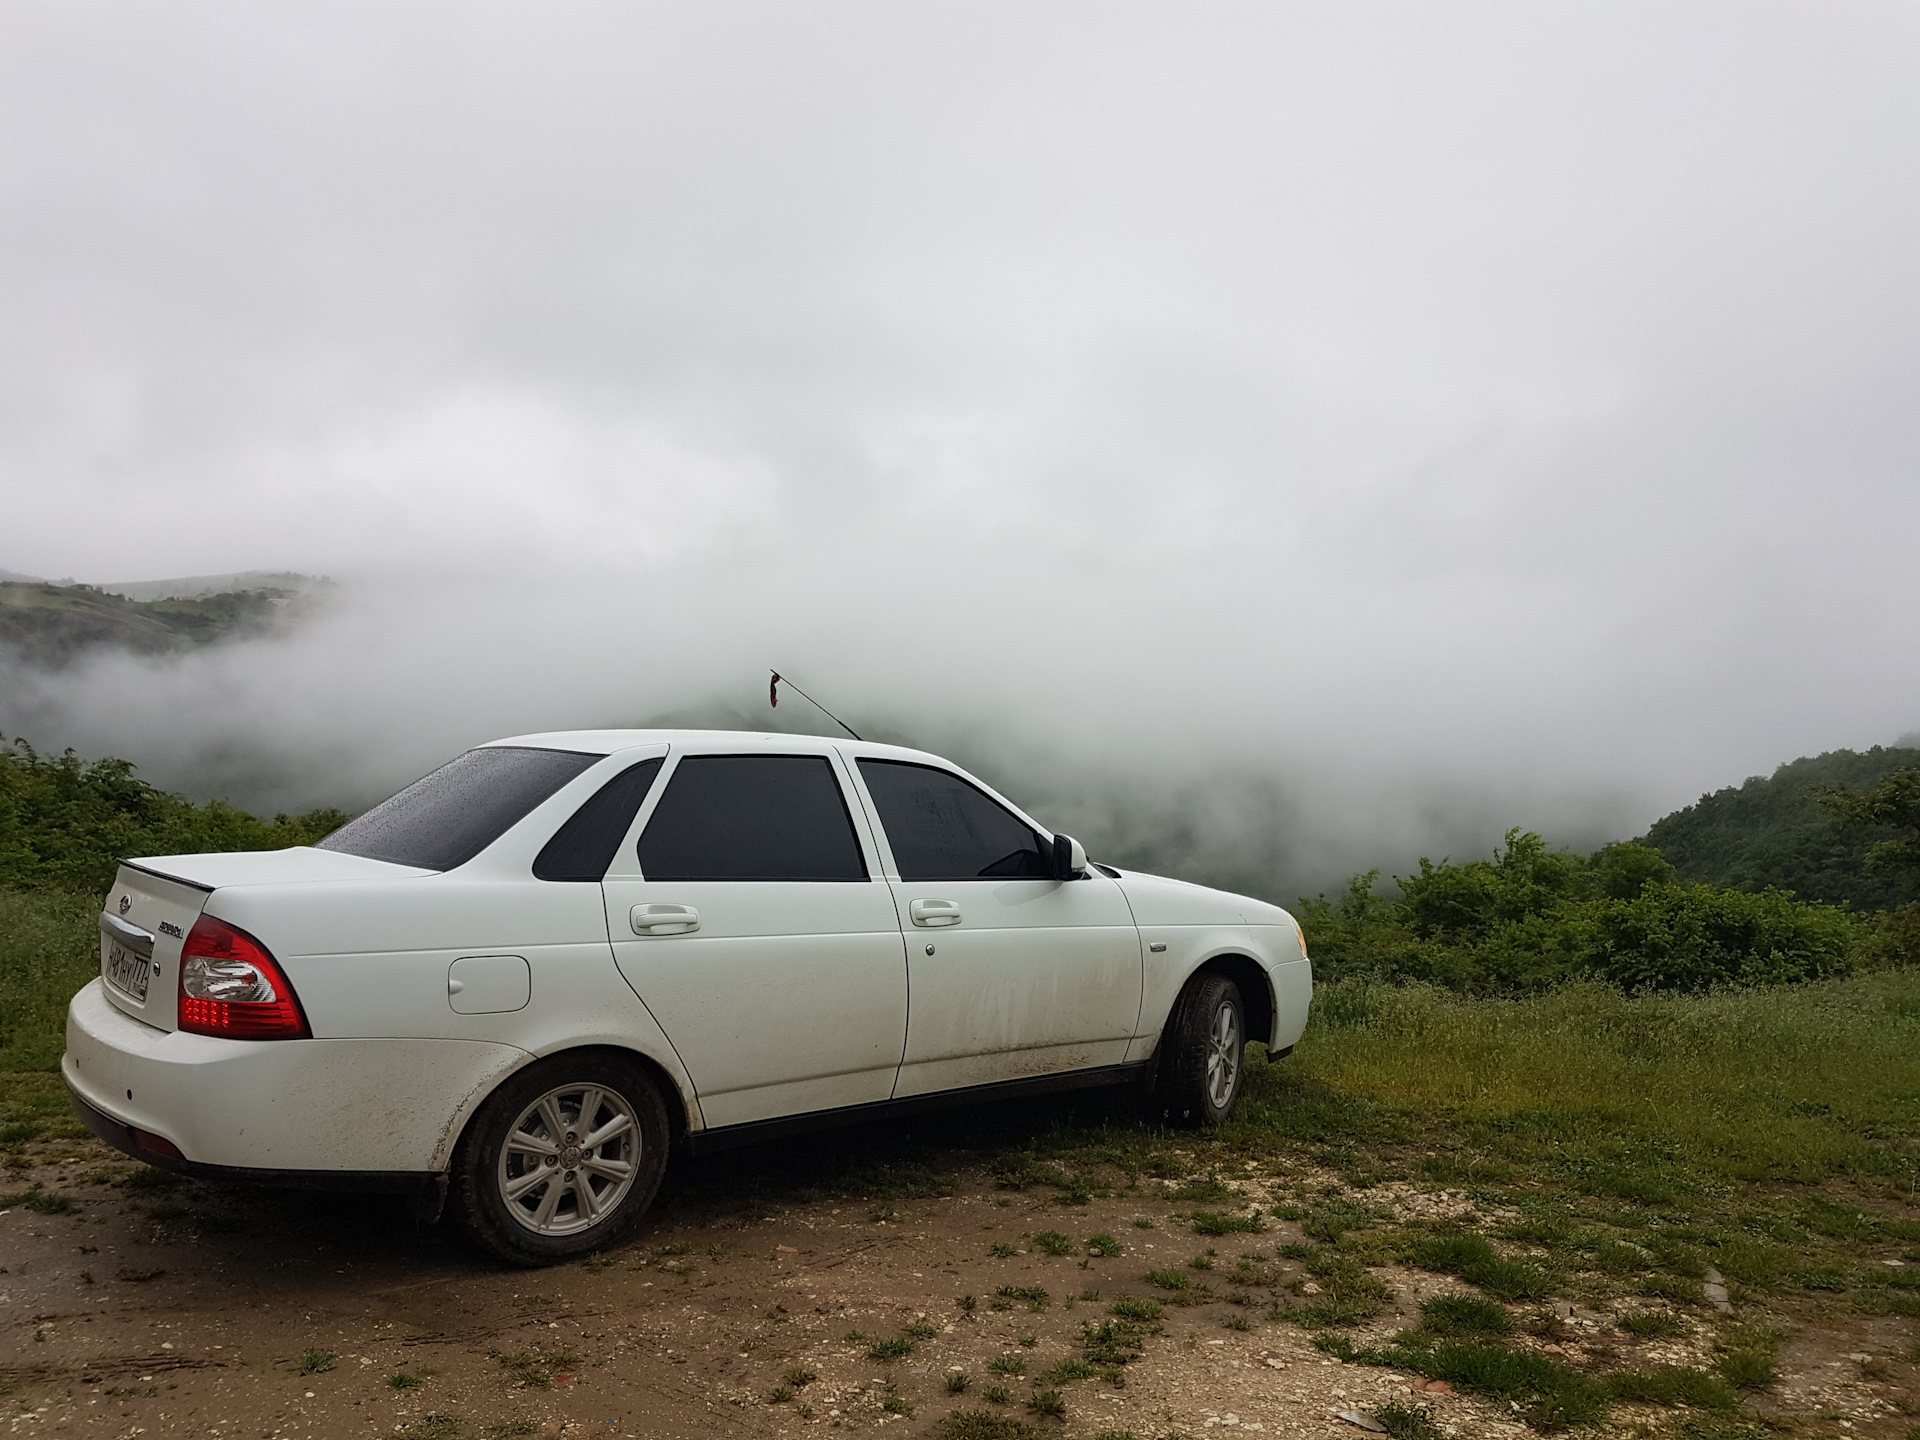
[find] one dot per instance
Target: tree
(1894, 803)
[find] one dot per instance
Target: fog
(1267, 440)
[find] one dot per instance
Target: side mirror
(1069, 858)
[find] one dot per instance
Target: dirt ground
(190, 1310)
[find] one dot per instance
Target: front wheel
(562, 1159)
(1202, 1058)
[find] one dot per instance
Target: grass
(1652, 1324)
(1464, 1315)
(1475, 1261)
(1801, 1083)
(1672, 1385)
(49, 948)
(984, 1425)
(1551, 1396)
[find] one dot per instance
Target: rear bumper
(305, 1112)
(135, 1143)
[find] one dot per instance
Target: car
(512, 989)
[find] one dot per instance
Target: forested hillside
(1772, 832)
(48, 626)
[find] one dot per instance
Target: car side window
(582, 849)
(752, 817)
(942, 828)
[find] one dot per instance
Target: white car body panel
(423, 989)
(344, 1105)
(1036, 977)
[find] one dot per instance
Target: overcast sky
(1418, 418)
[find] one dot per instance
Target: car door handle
(664, 919)
(934, 913)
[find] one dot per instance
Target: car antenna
(773, 699)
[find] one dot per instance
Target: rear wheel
(562, 1159)
(1202, 1056)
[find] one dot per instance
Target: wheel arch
(1256, 992)
(677, 1104)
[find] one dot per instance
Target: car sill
(703, 1142)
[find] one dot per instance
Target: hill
(1770, 832)
(47, 626)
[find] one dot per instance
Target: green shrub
(1694, 937)
(67, 823)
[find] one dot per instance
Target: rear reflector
(158, 1144)
(231, 987)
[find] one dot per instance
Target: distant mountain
(197, 587)
(46, 626)
(1770, 832)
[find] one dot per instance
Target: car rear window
(751, 817)
(453, 814)
(942, 828)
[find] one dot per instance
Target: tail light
(231, 987)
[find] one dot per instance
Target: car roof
(608, 742)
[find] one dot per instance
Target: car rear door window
(450, 816)
(582, 849)
(751, 817)
(942, 828)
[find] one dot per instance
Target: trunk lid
(155, 901)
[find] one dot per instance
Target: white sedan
(511, 988)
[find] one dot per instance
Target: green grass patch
(1551, 1396)
(984, 1425)
(1475, 1261)
(1651, 1324)
(49, 948)
(1672, 1385)
(1349, 1294)
(1465, 1315)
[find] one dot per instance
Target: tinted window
(460, 809)
(751, 817)
(582, 848)
(942, 828)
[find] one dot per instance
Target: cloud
(1363, 427)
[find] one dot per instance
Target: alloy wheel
(570, 1159)
(1223, 1054)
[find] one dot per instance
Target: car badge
(126, 903)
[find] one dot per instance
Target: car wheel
(561, 1160)
(1203, 1055)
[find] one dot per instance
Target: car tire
(527, 1185)
(1203, 1054)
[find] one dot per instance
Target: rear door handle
(663, 919)
(934, 913)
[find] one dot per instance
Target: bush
(1694, 937)
(1532, 918)
(66, 823)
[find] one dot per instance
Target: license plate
(128, 972)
